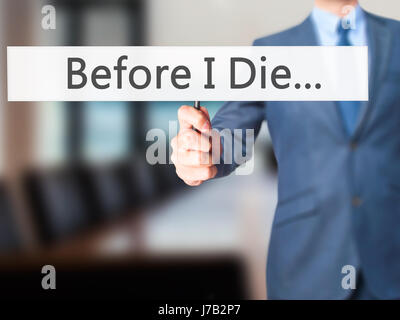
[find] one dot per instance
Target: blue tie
(348, 109)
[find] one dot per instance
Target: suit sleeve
(233, 121)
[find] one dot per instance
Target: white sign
(187, 73)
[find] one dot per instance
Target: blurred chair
(58, 206)
(168, 180)
(146, 183)
(139, 180)
(9, 238)
(105, 191)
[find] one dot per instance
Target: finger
(196, 174)
(193, 183)
(189, 139)
(204, 110)
(191, 158)
(190, 117)
(194, 158)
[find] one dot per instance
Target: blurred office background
(75, 188)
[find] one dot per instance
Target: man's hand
(193, 150)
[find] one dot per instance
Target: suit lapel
(379, 40)
(327, 111)
(307, 31)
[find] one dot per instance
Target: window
(50, 139)
(106, 134)
(93, 131)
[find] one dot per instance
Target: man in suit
(338, 166)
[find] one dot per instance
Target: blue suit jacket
(338, 196)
